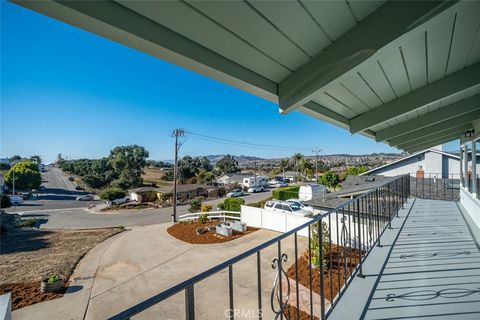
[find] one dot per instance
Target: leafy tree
(27, 176)
(36, 159)
(15, 158)
(206, 207)
(355, 171)
(195, 205)
(227, 164)
(128, 162)
(4, 166)
(330, 179)
(305, 166)
(206, 177)
(112, 194)
(231, 204)
(296, 159)
(284, 165)
(168, 175)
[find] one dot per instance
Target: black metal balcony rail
(471, 181)
(337, 245)
(436, 186)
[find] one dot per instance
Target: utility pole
(177, 133)
(13, 180)
(316, 151)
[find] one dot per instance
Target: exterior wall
(471, 206)
(406, 166)
(434, 164)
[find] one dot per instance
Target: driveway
(81, 218)
(137, 264)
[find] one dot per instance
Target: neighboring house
(232, 178)
(352, 187)
(187, 191)
(434, 162)
(5, 161)
(292, 176)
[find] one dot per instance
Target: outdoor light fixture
(469, 133)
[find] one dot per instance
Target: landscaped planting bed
(333, 277)
(187, 231)
(29, 255)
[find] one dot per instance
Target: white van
(309, 192)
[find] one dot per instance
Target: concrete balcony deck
(427, 268)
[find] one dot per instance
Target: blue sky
(67, 91)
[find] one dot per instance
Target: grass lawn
(154, 175)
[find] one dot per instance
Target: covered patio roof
(406, 73)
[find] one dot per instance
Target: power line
(242, 143)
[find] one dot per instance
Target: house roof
(184, 188)
(352, 186)
(143, 189)
(409, 157)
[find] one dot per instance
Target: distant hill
(215, 157)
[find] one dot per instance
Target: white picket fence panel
(211, 215)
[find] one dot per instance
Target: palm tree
(283, 166)
(296, 158)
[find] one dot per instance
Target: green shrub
(29, 222)
(231, 204)
(259, 204)
(53, 279)
(195, 205)
(203, 218)
(5, 202)
(330, 179)
(206, 207)
(112, 194)
(286, 193)
(314, 245)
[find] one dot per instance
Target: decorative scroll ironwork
(435, 254)
(276, 288)
(432, 294)
(345, 235)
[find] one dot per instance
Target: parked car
(71, 178)
(41, 188)
(120, 200)
(235, 193)
(286, 207)
(256, 189)
(281, 184)
(87, 197)
(77, 187)
(301, 204)
(16, 200)
(309, 192)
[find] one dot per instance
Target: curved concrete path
(144, 261)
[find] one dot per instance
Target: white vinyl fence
(271, 220)
(233, 215)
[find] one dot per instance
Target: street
(56, 207)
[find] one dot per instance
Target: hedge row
(286, 193)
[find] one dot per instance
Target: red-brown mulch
(332, 282)
(25, 294)
(186, 231)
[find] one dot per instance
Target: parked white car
(87, 197)
(281, 184)
(235, 193)
(286, 207)
(301, 204)
(256, 189)
(120, 200)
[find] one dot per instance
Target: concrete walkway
(427, 268)
(145, 261)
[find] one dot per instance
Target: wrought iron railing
(436, 186)
(323, 264)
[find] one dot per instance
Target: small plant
(23, 223)
(203, 218)
(53, 279)
(315, 244)
(206, 207)
(121, 228)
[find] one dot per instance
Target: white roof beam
(439, 115)
(438, 90)
(436, 128)
(383, 26)
(433, 141)
(118, 23)
(442, 140)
